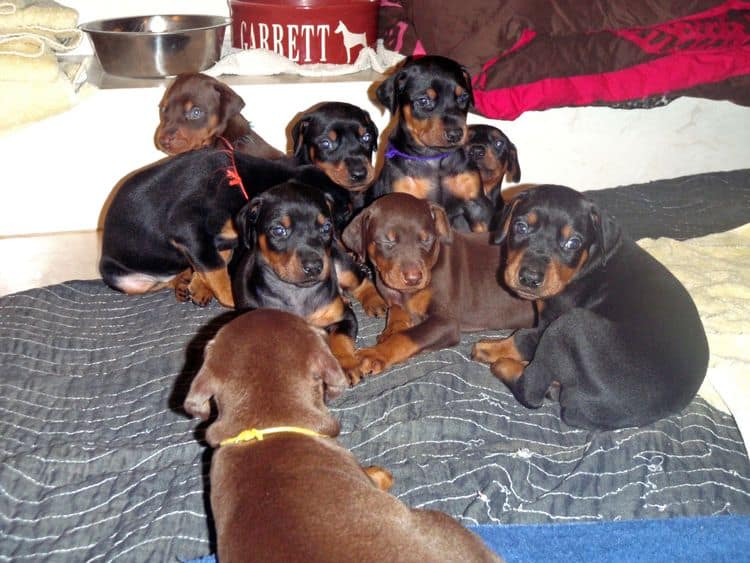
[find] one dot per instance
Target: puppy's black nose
(357, 174)
(530, 278)
(476, 152)
(312, 267)
(454, 135)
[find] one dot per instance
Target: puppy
(171, 224)
(436, 282)
(339, 138)
(430, 98)
(617, 331)
(282, 488)
(197, 111)
(290, 259)
(496, 157)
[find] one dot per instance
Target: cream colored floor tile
(40, 260)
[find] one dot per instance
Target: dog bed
(99, 463)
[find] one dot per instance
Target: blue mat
(705, 539)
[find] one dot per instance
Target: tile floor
(39, 260)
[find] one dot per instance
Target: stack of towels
(33, 84)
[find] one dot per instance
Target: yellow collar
(253, 434)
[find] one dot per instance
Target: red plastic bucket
(306, 31)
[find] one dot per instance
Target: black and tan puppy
(617, 330)
(339, 138)
(430, 97)
(197, 111)
(496, 157)
(282, 488)
(175, 218)
(437, 282)
(290, 259)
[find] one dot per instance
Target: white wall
(57, 173)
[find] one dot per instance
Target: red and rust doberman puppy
(175, 218)
(496, 157)
(426, 157)
(437, 282)
(289, 258)
(617, 331)
(338, 138)
(282, 488)
(197, 111)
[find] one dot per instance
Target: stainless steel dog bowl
(154, 46)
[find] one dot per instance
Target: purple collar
(393, 151)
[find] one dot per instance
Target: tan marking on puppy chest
(419, 303)
(464, 186)
(228, 231)
(328, 314)
(418, 187)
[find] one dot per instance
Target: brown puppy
(437, 282)
(197, 110)
(294, 494)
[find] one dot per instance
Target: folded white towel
(262, 62)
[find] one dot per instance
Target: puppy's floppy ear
(469, 87)
(246, 219)
(513, 172)
(605, 232)
(298, 137)
(442, 224)
(500, 234)
(231, 104)
(390, 89)
(355, 232)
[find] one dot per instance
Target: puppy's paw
(371, 361)
(200, 293)
(490, 351)
(508, 370)
(180, 284)
(374, 305)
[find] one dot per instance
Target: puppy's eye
(326, 228)
(499, 145)
(463, 98)
(279, 231)
(573, 243)
(521, 227)
(366, 138)
(326, 144)
(425, 103)
(194, 113)
(426, 240)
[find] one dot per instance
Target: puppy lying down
(282, 489)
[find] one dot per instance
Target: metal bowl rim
(221, 21)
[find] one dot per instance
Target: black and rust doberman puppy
(430, 97)
(175, 218)
(197, 111)
(339, 138)
(290, 258)
(282, 488)
(436, 281)
(617, 330)
(496, 157)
